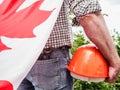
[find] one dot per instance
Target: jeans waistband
(46, 53)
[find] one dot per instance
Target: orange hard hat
(87, 61)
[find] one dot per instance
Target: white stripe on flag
(17, 61)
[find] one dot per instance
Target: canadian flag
(25, 26)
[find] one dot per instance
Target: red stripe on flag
(5, 85)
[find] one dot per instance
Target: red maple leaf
(20, 24)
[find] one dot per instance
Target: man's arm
(97, 31)
(88, 14)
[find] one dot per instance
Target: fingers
(113, 75)
(111, 79)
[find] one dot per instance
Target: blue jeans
(50, 74)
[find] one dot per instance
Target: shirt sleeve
(82, 7)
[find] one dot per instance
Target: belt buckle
(45, 55)
(48, 50)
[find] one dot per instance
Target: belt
(46, 53)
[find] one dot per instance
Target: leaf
(20, 24)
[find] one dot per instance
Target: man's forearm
(97, 31)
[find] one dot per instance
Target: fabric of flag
(25, 26)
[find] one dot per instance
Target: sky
(112, 9)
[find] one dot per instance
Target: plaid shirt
(61, 33)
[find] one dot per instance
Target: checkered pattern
(61, 32)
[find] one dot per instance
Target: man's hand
(95, 28)
(113, 73)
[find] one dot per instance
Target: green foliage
(116, 38)
(83, 85)
(79, 40)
